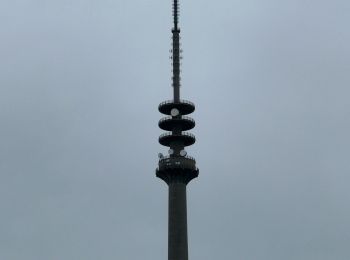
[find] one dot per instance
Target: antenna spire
(176, 52)
(176, 13)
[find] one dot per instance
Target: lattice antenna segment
(176, 52)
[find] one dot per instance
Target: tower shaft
(177, 237)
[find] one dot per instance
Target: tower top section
(177, 166)
(176, 14)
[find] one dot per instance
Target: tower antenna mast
(176, 52)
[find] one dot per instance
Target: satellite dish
(174, 112)
(183, 153)
(160, 156)
(171, 151)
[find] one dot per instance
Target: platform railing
(173, 102)
(169, 157)
(171, 118)
(182, 134)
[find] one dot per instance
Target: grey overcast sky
(80, 82)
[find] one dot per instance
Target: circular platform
(186, 138)
(177, 162)
(177, 168)
(169, 123)
(185, 107)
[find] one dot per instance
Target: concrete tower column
(177, 240)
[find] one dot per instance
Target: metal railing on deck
(169, 157)
(182, 117)
(182, 101)
(182, 134)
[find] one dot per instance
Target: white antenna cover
(183, 153)
(171, 151)
(174, 112)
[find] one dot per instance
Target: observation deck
(169, 123)
(185, 138)
(172, 168)
(185, 107)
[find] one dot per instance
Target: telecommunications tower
(177, 169)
